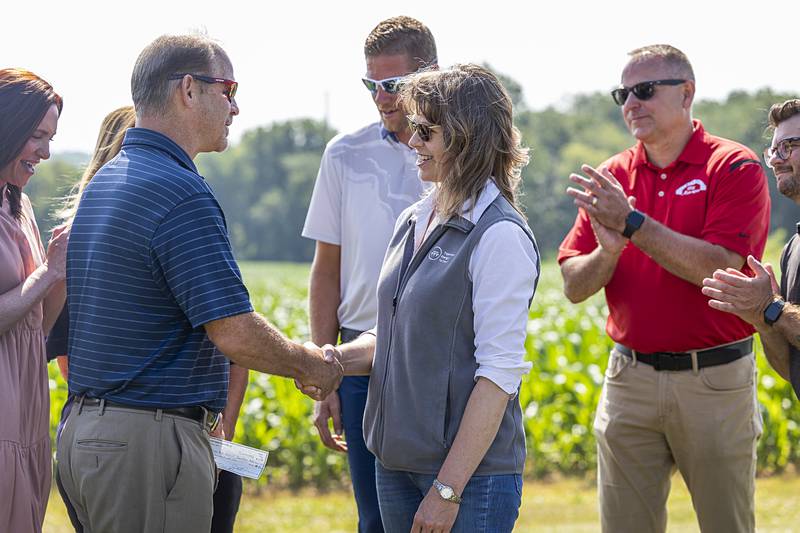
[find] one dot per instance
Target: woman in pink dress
(32, 292)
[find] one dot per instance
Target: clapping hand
(746, 297)
(602, 197)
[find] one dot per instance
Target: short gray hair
(670, 55)
(167, 55)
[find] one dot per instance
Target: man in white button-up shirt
(366, 179)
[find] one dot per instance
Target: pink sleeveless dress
(25, 460)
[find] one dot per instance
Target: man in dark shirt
(773, 309)
(155, 295)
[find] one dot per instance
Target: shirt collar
(695, 152)
(386, 134)
(159, 141)
(488, 195)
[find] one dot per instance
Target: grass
(564, 506)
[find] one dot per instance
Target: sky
(305, 58)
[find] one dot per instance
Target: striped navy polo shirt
(149, 262)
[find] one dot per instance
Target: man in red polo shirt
(654, 221)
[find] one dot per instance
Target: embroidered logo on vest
(437, 254)
(693, 187)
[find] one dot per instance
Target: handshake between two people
(354, 358)
(326, 372)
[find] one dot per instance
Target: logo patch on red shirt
(693, 187)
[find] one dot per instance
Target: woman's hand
(57, 252)
(435, 514)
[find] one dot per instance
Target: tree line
(264, 181)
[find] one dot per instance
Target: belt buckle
(211, 420)
(664, 361)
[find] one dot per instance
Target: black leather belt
(208, 419)
(683, 360)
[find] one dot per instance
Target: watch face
(447, 493)
(773, 312)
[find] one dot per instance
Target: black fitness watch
(633, 221)
(773, 312)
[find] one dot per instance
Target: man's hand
(325, 377)
(330, 409)
(435, 514)
(602, 197)
(608, 239)
(732, 291)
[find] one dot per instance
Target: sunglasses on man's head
(423, 131)
(642, 91)
(389, 85)
(230, 85)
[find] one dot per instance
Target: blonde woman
(447, 357)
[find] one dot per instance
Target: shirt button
(660, 194)
(663, 176)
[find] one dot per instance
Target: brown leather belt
(683, 360)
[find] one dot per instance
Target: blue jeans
(490, 504)
(353, 399)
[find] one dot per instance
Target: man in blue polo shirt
(155, 295)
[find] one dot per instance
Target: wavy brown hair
(109, 142)
(481, 142)
(24, 101)
(783, 111)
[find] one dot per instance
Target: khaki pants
(705, 423)
(136, 471)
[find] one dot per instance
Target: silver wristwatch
(446, 492)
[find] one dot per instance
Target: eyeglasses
(230, 85)
(389, 85)
(783, 149)
(423, 131)
(642, 91)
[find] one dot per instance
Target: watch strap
(773, 311)
(446, 492)
(633, 222)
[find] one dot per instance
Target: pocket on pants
(617, 364)
(189, 502)
(101, 445)
(737, 375)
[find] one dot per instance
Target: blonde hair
(481, 142)
(109, 142)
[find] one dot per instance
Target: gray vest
(424, 367)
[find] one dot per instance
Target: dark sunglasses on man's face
(423, 131)
(389, 85)
(230, 85)
(642, 91)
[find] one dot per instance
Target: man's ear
(688, 94)
(187, 91)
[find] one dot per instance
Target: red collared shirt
(716, 191)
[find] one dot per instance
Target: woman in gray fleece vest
(447, 356)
